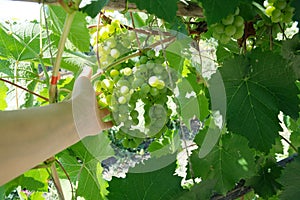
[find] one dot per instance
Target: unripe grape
(115, 53)
(218, 28)
(123, 82)
(230, 30)
(154, 91)
(151, 53)
(238, 21)
(145, 88)
(137, 82)
(143, 59)
(276, 13)
(228, 20)
(113, 73)
(122, 100)
(281, 4)
(238, 34)
(111, 43)
(126, 71)
(269, 10)
(153, 81)
(224, 39)
(124, 90)
(107, 84)
(160, 85)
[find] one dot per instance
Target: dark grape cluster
(137, 96)
(279, 10)
(231, 26)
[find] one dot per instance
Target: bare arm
(30, 136)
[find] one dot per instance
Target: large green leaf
(257, 88)
(20, 41)
(264, 183)
(94, 7)
(290, 180)
(164, 9)
(82, 162)
(33, 180)
(160, 184)
(79, 34)
(223, 8)
(227, 163)
(3, 91)
(203, 190)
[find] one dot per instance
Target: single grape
(122, 100)
(228, 20)
(276, 13)
(154, 91)
(238, 21)
(115, 53)
(137, 82)
(145, 88)
(124, 90)
(219, 28)
(111, 43)
(153, 81)
(151, 53)
(239, 33)
(269, 10)
(281, 4)
(126, 71)
(230, 30)
(107, 84)
(143, 59)
(114, 73)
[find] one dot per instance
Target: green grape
(281, 4)
(276, 13)
(107, 84)
(123, 82)
(158, 70)
(124, 90)
(216, 35)
(111, 43)
(154, 91)
(114, 73)
(160, 85)
(238, 34)
(114, 53)
(145, 88)
(137, 82)
(151, 53)
(224, 39)
(97, 86)
(238, 21)
(126, 71)
(230, 30)
(143, 59)
(122, 100)
(153, 81)
(228, 20)
(219, 28)
(269, 10)
(123, 109)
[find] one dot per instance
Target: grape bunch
(113, 42)
(231, 26)
(279, 10)
(137, 95)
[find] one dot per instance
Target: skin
(30, 136)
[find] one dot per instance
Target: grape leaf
(87, 170)
(164, 9)
(203, 190)
(160, 184)
(79, 34)
(262, 85)
(94, 7)
(290, 180)
(21, 41)
(3, 91)
(192, 100)
(265, 183)
(227, 163)
(33, 180)
(223, 8)
(296, 5)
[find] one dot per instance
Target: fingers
(101, 114)
(86, 72)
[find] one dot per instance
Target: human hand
(87, 116)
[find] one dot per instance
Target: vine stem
(61, 46)
(29, 91)
(291, 145)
